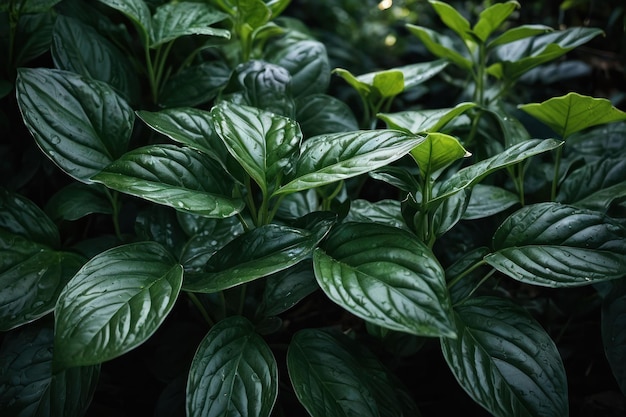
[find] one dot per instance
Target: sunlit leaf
(452, 19)
(418, 121)
(492, 18)
(437, 152)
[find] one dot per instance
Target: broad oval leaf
(82, 125)
(233, 373)
(505, 361)
(437, 152)
(385, 276)
(329, 158)
(384, 212)
(194, 85)
(138, 12)
(557, 245)
(173, 20)
(114, 304)
(334, 376)
(78, 200)
(471, 175)
(492, 18)
(176, 177)
(593, 178)
(452, 19)
(318, 114)
(20, 216)
(263, 251)
(418, 121)
(263, 143)
(487, 200)
(285, 289)
(29, 388)
(79, 48)
(574, 112)
(440, 45)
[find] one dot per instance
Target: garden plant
(186, 203)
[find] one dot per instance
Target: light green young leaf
(177, 19)
(254, 13)
(176, 177)
(453, 19)
(81, 124)
(329, 158)
(385, 276)
(440, 45)
(574, 112)
(556, 245)
(233, 369)
(505, 361)
(492, 18)
(437, 152)
(418, 121)
(517, 33)
(388, 83)
(114, 304)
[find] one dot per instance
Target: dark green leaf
(505, 361)
(194, 85)
(557, 245)
(329, 158)
(233, 373)
(588, 182)
(263, 143)
(385, 276)
(176, 177)
(114, 304)
(318, 114)
(79, 48)
(30, 389)
(464, 287)
(614, 332)
(333, 376)
(82, 125)
(440, 45)
(285, 289)
(263, 251)
(35, 6)
(173, 20)
(20, 216)
(452, 19)
(159, 224)
(138, 12)
(78, 200)
(487, 200)
(33, 36)
(383, 212)
(450, 212)
(298, 204)
(418, 121)
(513, 130)
(517, 33)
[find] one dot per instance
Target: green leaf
(450, 212)
(513, 130)
(418, 121)
(82, 125)
(329, 158)
(32, 37)
(595, 183)
(388, 83)
(333, 376)
(487, 200)
(307, 62)
(194, 85)
(415, 74)
(78, 200)
(517, 33)
(160, 224)
(573, 112)
(492, 18)
(33, 6)
(318, 114)
(614, 332)
(254, 13)
(176, 177)
(22, 217)
(29, 388)
(79, 48)
(475, 173)
(385, 276)
(452, 19)
(440, 45)
(31, 279)
(287, 288)
(233, 373)
(505, 361)
(263, 143)
(383, 212)
(174, 20)
(139, 14)
(556, 245)
(437, 152)
(114, 304)
(255, 254)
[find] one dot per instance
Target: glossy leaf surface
(22, 217)
(440, 45)
(285, 289)
(505, 361)
(319, 114)
(492, 18)
(588, 183)
(114, 304)
(574, 112)
(329, 158)
(78, 200)
(558, 245)
(418, 121)
(233, 373)
(385, 276)
(334, 376)
(176, 177)
(137, 11)
(82, 125)
(487, 200)
(437, 152)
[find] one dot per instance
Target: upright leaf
(573, 112)
(329, 158)
(176, 177)
(82, 125)
(492, 18)
(233, 373)
(505, 361)
(452, 19)
(114, 304)
(29, 388)
(440, 45)
(138, 12)
(263, 143)
(385, 276)
(437, 152)
(557, 245)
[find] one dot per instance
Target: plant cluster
(195, 187)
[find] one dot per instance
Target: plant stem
(201, 308)
(113, 198)
(466, 272)
(242, 299)
(557, 168)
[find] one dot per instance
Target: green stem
(477, 286)
(466, 272)
(474, 128)
(250, 198)
(242, 299)
(115, 206)
(557, 168)
(201, 309)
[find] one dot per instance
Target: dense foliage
(250, 208)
